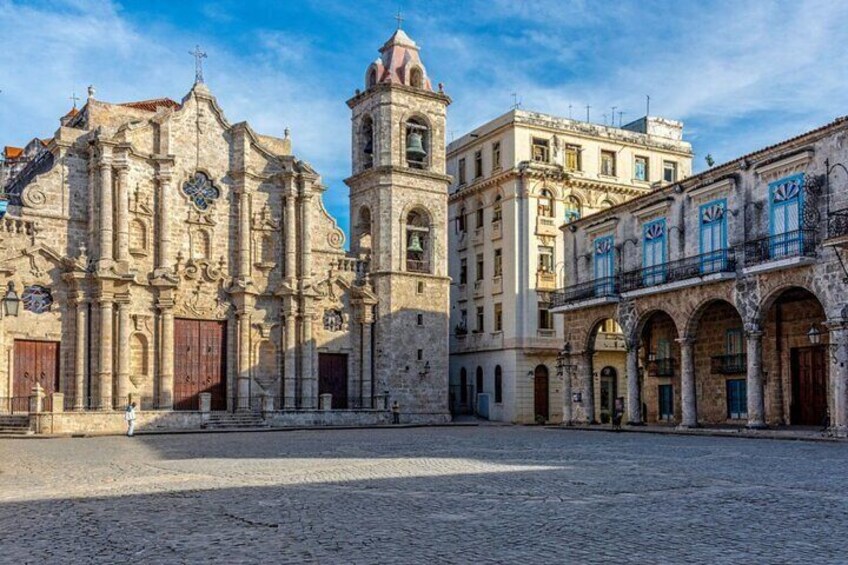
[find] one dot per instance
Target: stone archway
(541, 401)
(654, 355)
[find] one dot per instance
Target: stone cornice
(792, 164)
(388, 87)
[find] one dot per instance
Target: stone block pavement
(423, 495)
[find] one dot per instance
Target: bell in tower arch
(415, 152)
(415, 243)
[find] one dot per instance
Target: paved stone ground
(426, 495)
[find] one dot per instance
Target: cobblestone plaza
(425, 495)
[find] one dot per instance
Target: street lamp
(11, 302)
(814, 335)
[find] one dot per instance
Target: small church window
(333, 320)
(37, 299)
(416, 78)
(201, 191)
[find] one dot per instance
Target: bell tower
(398, 210)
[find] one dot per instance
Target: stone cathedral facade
(159, 252)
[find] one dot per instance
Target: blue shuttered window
(666, 402)
(737, 399)
(713, 221)
(653, 257)
(603, 264)
(786, 198)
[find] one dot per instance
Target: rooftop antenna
(612, 116)
(399, 18)
(569, 111)
(74, 98)
(515, 103)
(587, 112)
(648, 105)
(605, 118)
(198, 63)
(620, 113)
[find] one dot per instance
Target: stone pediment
(29, 256)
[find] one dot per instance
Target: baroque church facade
(160, 254)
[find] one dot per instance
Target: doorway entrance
(200, 348)
(540, 393)
(609, 379)
(332, 378)
(36, 362)
(809, 386)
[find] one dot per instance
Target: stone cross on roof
(198, 63)
(74, 98)
(399, 18)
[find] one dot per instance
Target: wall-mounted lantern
(11, 301)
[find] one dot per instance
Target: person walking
(395, 412)
(129, 416)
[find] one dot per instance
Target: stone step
(8, 430)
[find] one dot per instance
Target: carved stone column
(366, 388)
(567, 412)
(106, 205)
(308, 389)
(634, 396)
(306, 251)
(123, 373)
(243, 380)
(838, 374)
(756, 405)
(122, 233)
(290, 360)
(588, 386)
(165, 259)
(166, 359)
(688, 394)
(105, 373)
(290, 225)
(244, 234)
(80, 332)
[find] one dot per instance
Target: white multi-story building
(516, 180)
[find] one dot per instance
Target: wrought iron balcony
(662, 367)
(837, 224)
(728, 364)
(719, 261)
(604, 287)
(798, 243)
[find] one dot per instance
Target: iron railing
(598, 288)
(837, 223)
(719, 261)
(728, 364)
(798, 243)
(414, 266)
(662, 367)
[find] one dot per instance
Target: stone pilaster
(244, 234)
(105, 372)
(634, 392)
(838, 372)
(123, 374)
(306, 249)
(567, 412)
(309, 384)
(166, 359)
(165, 259)
(291, 245)
(588, 386)
(80, 331)
(756, 405)
(366, 379)
(290, 360)
(688, 400)
(122, 223)
(106, 209)
(243, 379)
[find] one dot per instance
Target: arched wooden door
(540, 393)
(199, 363)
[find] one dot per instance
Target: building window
(417, 242)
(546, 259)
(479, 217)
(737, 399)
(480, 265)
(478, 164)
(733, 342)
(786, 198)
(541, 150)
(573, 209)
(572, 158)
(545, 204)
(666, 402)
(460, 221)
(367, 143)
(481, 319)
(419, 319)
(201, 191)
(420, 287)
(713, 221)
(669, 171)
(416, 78)
(603, 264)
(498, 317)
(37, 299)
(497, 209)
(496, 155)
(498, 385)
(462, 329)
(653, 252)
(479, 379)
(460, 171)
(546, 319)
(463, 271)
(498, 263)
(608, 163)
(640, 169)
(420, 354)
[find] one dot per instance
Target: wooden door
(332, 377)
(809, 386)
(540, 393)
(35, 362)
(199, 363)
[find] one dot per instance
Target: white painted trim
(779, 264)
(652, 209)
(608, 224)
(686, 283)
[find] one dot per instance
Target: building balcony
(477, 238)
(779, 251)
(661, 367)
(545, 280)
(729, 364)
(497, 229)
(599, 291)
(673, 275)
(474, 341)
(497, 285)
(546, 226)
(837, 228)
(478, 288)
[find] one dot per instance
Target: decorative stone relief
(333, 320)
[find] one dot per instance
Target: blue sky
(740, 74)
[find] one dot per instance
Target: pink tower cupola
(399, 63)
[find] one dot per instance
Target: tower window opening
(417, 242)
(417, 144)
